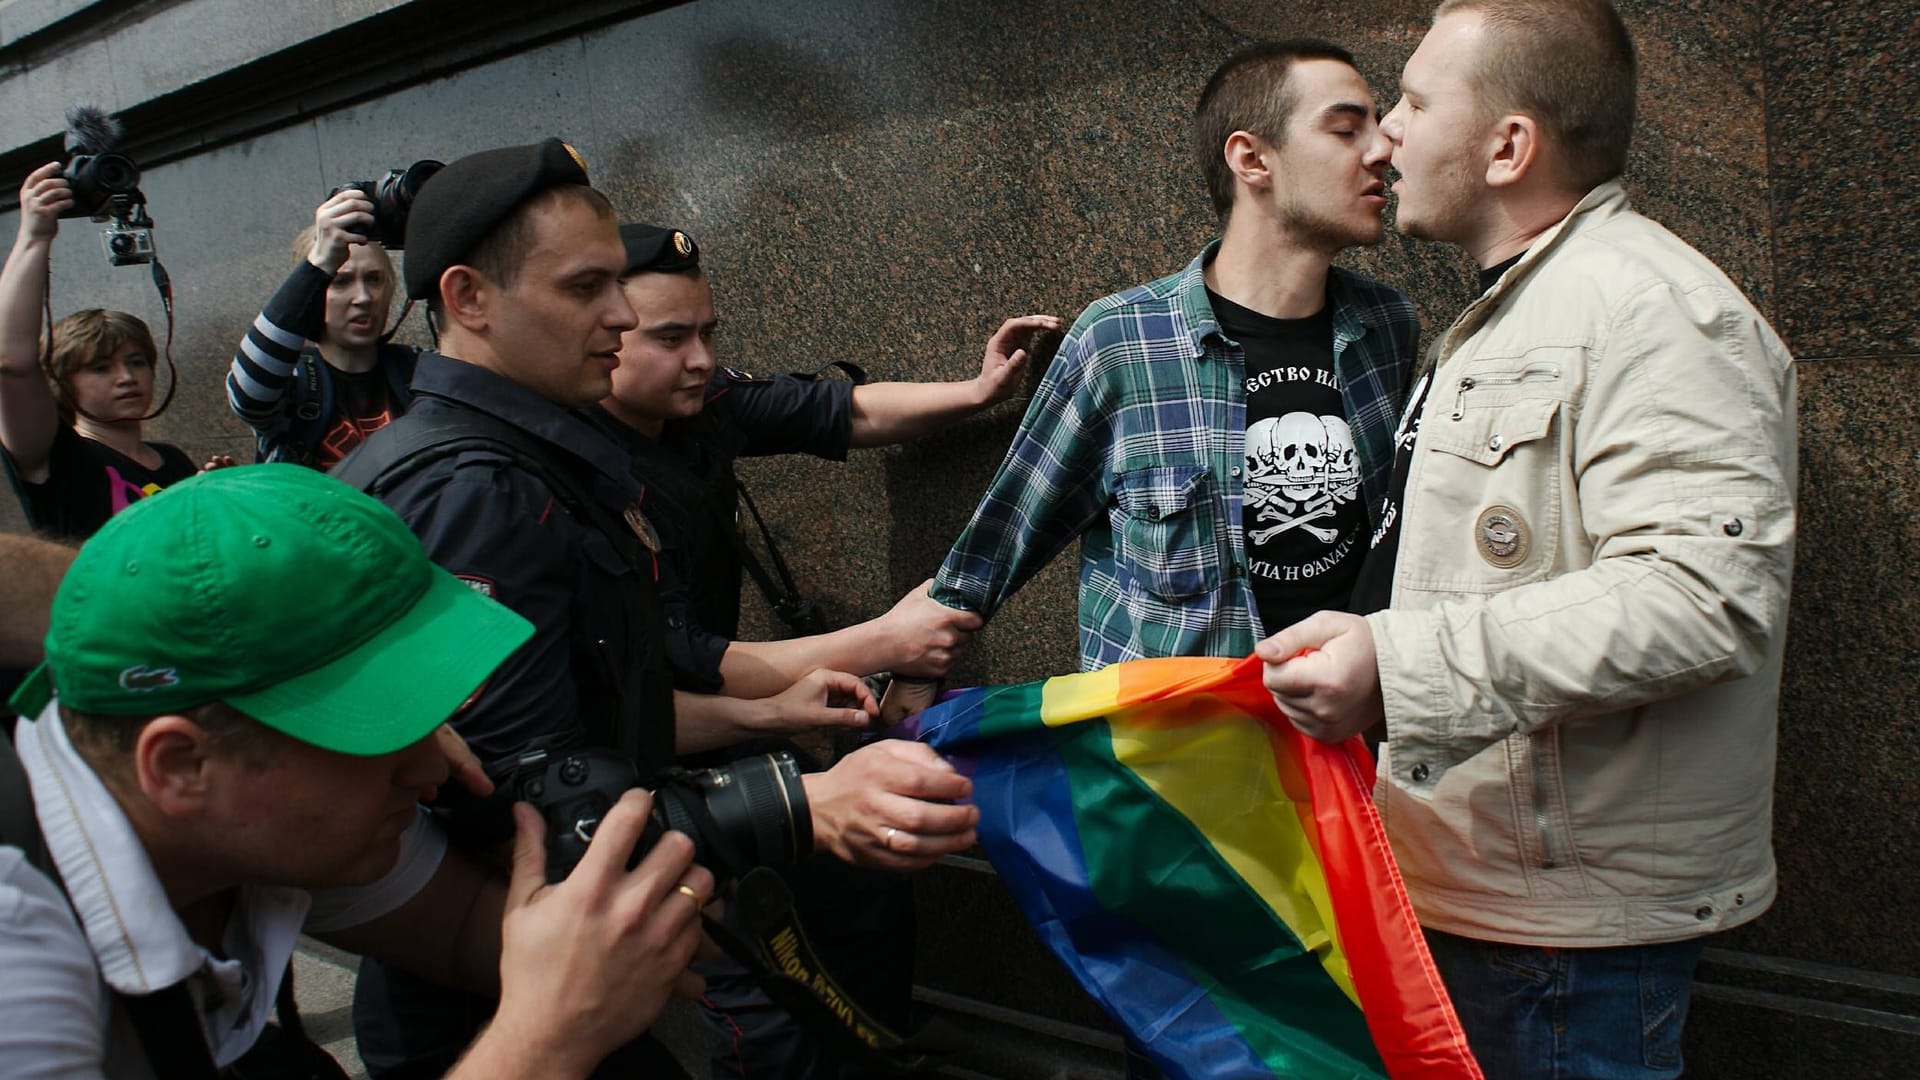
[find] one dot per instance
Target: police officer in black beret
(686, 420)
(518, 259)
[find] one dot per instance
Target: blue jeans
(1534, 1013)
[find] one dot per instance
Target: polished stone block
(1842, 137)
(1736, 1035)
(1846, 790)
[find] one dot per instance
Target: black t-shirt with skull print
(1373, 590)
(1302, 515)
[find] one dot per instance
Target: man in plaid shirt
(1220, 440)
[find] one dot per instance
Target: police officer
(518, 260)
(685, 420)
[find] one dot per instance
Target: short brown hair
(105, 741)
(78, 339)
(500, 254)
(1249, 92)
(1570, 65)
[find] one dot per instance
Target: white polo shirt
(57, 979)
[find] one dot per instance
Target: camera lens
(116, 174)
(747, 814)
(393, 203)
(121, 243)
(751, 813)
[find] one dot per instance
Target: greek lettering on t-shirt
(1302, 517)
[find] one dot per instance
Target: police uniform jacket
(597, 645)
(690, 494)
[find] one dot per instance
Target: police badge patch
(642, 528)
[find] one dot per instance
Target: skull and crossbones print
(1301, 468)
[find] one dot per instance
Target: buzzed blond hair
(1568, 64)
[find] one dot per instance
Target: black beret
(459, 205)
(652, 249)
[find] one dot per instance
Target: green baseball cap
(290, 596)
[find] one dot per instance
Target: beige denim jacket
(1581, 666)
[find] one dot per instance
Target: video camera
(392, 197)
(106, 186)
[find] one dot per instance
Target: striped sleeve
(263, 367)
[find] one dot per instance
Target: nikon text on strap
(770, 943)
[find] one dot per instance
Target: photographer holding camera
(519, 260)
(313, 376)
(71, 429)
(251, 674)
(315, 373)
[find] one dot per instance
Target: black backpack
(310, 403)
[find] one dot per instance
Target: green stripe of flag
(1148, 861)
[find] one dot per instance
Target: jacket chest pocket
(1168, 522)
(1494, 476)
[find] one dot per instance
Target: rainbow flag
(1218, 882)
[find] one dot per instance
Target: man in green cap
(226, 746)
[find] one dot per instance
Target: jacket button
(1421, 772)
(1235, 471)
(1733, 527)
(1703, 913)
(1494, 444)
(1153, 513)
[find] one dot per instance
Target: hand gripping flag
(1218, 882)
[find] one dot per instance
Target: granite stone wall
(883, 180)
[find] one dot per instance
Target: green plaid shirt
(1135, 443)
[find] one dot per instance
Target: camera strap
(801, 615)
(797, 612)
(771, 944)
(163, 284)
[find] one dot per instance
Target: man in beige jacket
(1579, 671)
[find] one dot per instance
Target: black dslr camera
(746, 820)
(96, 179)
(747, 814)
(106, 187)
(392, 197)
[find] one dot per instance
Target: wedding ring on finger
(692, 894)
(886, 837)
